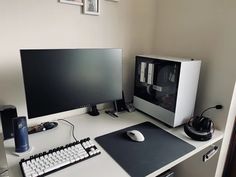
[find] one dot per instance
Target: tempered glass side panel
(157, 81)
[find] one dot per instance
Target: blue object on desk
(140, 159)
(20, 134)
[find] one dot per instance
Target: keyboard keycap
(46, 162)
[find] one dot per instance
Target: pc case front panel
(187, 91)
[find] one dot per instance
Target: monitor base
(93, 111)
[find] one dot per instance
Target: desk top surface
(87, 126)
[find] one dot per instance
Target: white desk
(86, 126)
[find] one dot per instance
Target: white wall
(202, 29)
(49, 24)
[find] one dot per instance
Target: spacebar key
(56, 166)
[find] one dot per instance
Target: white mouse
(135, 135)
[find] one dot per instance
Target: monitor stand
(93, 111)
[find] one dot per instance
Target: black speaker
(7, 113)
(20, 134)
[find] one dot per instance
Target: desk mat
(139, 159)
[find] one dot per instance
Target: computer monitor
(58, 80)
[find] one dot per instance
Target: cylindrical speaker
(7, 113)
(20, 134)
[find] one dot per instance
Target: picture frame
(72, 2)
(91, 7)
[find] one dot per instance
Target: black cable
(207, 110)
(73, 127)
(3, 172)
(216, 107)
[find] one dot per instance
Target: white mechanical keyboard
(55, 159)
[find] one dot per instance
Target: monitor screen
(58, 80)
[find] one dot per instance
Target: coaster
(20, 154)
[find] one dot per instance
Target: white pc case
(166, 88)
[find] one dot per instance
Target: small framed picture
(92, 7)
(73, 2)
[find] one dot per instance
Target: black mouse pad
(142, 158)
